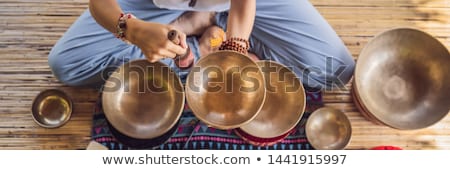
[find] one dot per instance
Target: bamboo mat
(29, 28)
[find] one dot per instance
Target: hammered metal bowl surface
(143, 100)
(328, 129)
(402, 78)
(52, 108)
(284, 105)
(225, 89)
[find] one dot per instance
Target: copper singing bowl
(143, 100)
(328, 128)
(284, 105)
(51, 108)
(402, 77)
(225, 89)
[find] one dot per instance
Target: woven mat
(205, 137)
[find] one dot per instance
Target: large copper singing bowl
(402, 77)
(284, 105)
(225, 89)
(143, 100)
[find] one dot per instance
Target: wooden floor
(29, 28)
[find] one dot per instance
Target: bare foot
(211, 40)
(194, 23)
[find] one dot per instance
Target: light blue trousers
(291, 32)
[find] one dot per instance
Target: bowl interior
(225, 89)
(143, 100)
(284, 104)
(328, 129)
(402, 77)
(51, 108)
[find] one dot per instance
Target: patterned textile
(191, 135)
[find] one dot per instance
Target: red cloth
(386, 148)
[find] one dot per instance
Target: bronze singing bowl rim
(196, 100)
(41, 98)
(276, 127)
(136, 122)
(262, 142)
(397, 43)
(362, 109)
(312, 134)
(134, 143)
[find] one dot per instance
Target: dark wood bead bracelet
(247, 44)
(232, 44)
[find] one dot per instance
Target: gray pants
(291, 32)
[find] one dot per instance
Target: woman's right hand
(152, 39)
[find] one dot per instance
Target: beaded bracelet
(232, 44)
(247, 44)
(122, 26)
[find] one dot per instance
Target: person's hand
(152, 39)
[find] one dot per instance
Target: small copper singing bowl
(328, 129)
(143, 100)
(51, 108)
(225, 89)
(284, 105)
(402, 78)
